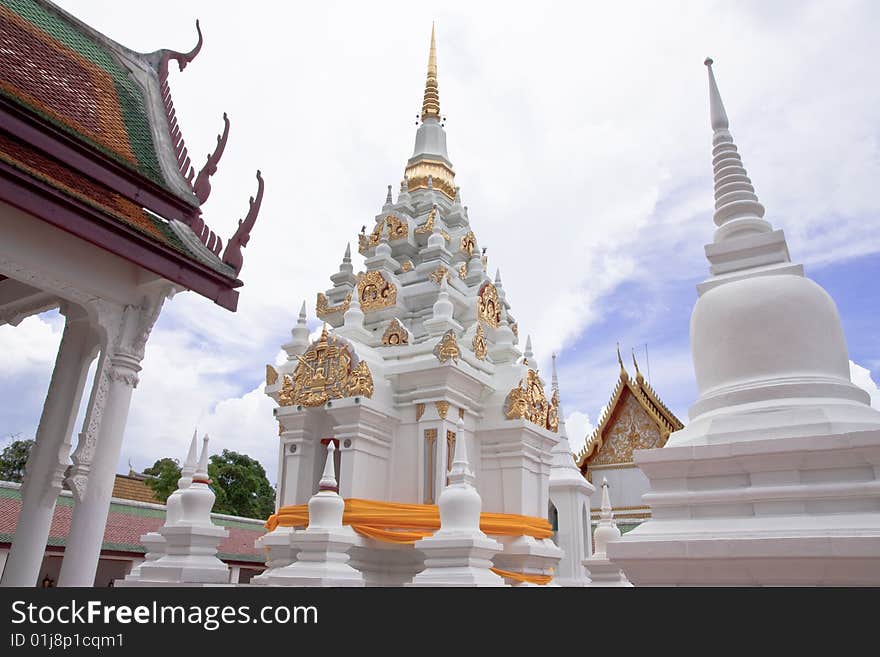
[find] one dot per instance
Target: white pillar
(97, 452)
(47, 461)
(234, 574)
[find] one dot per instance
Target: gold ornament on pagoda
(374, 292)
(479, 343)
(365, 242)
(323, 307)
(428, 226)
(462, 271)
(515, 328)
(398, 228)
(447, 347)
(488, 305)
(468, 243)
(438, 274)
(527, 401)
(326, 371)
(271, 375)
(406, 266)
(442, 408)
(395, 334)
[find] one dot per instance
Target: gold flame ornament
(375, 292)
(488, 305)
(323, 307)
(395, 334)
(447, 347)
(481, 349)
(527, 401)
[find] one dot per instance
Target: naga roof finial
(202, 185)
(232, 255)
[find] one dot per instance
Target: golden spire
(638, 374)
(431, 101)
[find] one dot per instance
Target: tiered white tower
(419, 340)
(776, 480)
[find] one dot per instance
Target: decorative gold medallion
(323, 307)
(398, 228)
(468, 243)
(529, 402)
(447, 347)
(374, 292)
(462, 271)
(438, 274)
(479, 343)
(271, 375)
(442, 408)
(488, 305)
(406, 266)
(395, 334)
(327, 370)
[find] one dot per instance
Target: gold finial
(619, 359)
(431, 101)
(638, 374)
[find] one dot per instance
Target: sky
(580, 137)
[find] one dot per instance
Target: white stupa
(775, 480)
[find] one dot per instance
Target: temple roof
(646, 397)
(85, 119)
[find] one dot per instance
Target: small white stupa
(191, 538)
(775, 479)
(322, 550)
(603, 571)
(459, 553)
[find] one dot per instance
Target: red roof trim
(50, 205)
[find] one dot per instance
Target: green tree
(241, 486)
(13, 459)
(165, 473)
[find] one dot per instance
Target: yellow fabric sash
(394, 522)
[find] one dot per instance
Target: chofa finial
(232, 256)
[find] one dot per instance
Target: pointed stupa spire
(431, 100)
(460, 473)
(388, 199)
(201, 474)
(189, 465)
(527, 354)
(736, 204)
(606, 513)
(328, 477)
(347, 256)
(554, 379)
(302, 314)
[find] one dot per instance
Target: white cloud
(578, 427)
(861, 376)
(30, 347)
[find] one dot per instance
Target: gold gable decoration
(428, 226)
(447, 347)
(327, 370)
(398, 229)
(528, 401)
(488, 305)
(481, 349)
(438, 274)
(375, 293)
(271, 375)
(323, 307)
(468, 243)
(395, 334)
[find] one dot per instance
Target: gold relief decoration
(515, 328)
(397, 228)
(395, 334)
(327, 370)
(323, 307)
(406, 265)
(438, 274)
(445, 235)
(442, 408)
(374, 292)
(271, 375)
(285, 397)
(528, 401)
(488, 305)
(632, 429)
(428, 226)
(447, 347)
(462, 271)
(468, 243)
(553, 412)
(420, 410)
(461, 413)
(479, 343)
(365, 242)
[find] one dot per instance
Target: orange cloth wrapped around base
(394, 522)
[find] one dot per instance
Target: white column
(97, 452)
(46, 464)
(234, 573)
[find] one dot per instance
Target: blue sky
(581, 141)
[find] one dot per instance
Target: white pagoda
(418, 352)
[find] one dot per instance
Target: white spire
(460, 473)
(736, 205)
(189, 465)
(388, 201)
(354, 316)
(328, 477)
(607, 529)
(606, 513)
(201, 473)
(527, 354)
(302, 314)
(554, 380)
(347, 256)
